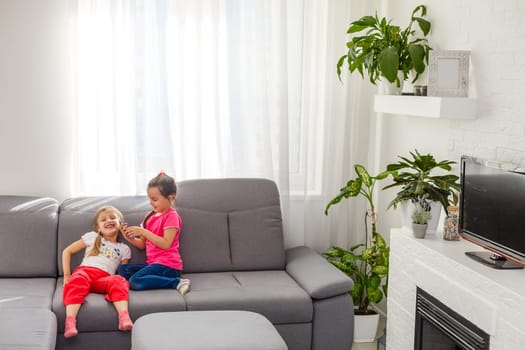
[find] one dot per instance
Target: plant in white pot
(366, 263)
(385, 51)
(420, 184)
(420, 217)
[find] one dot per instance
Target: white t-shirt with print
(110, 256)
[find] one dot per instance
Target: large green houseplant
(366, 263)
(384, 49)
(418, 182)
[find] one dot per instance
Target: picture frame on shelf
(448, 74)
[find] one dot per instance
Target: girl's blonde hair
(98, 241)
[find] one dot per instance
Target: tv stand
(493, 260)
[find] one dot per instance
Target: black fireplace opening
(440, 328)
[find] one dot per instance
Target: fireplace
(492, 300)
(437, 327)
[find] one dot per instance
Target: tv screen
(492, 212)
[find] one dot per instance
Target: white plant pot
(365, 328)
(389, 88)
(419, 230)
(406, 208)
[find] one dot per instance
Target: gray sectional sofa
(233, 252)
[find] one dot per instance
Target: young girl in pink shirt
(96, 272)
(159, 234)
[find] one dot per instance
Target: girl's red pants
(85, 280)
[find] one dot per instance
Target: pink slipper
(124, 321)
(71, 327)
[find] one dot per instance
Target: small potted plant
(386, 51)
(366, 263)
(420, 217)
(420, 184)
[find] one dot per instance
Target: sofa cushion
(26, 292)
(241, 240)
(256, 239)
(227, 195)
(27, 329)
(99, 315)
(28, 234)
(204, 241)
(230, 225)
(273, 294)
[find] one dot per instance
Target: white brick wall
(494, 31)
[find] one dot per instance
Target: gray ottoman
(27, 329)
(205, 330)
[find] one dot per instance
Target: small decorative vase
(419, 230)
(451, 224)
(406, 208)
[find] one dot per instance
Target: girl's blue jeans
(153, 276)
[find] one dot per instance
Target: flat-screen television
(492, 212)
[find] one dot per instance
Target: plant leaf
(363, 175)
(339, 65)
(361, 24)
(374, 295)
(388, 60)
(417, 54)
(423, 24)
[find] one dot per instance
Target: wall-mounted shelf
(427, 106)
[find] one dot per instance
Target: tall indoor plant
(366, 263)
(384, 49)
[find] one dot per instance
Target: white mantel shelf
(427, 106)
(494, 300)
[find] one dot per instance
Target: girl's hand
(133, 232)
(134, 235)
(66, 279)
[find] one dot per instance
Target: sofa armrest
(315, 274)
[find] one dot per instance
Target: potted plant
(420, 217)
(366, 263)
(384, 49)
(419, 184)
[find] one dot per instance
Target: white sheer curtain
(219, 88)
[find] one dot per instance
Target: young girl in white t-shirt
(96, 273)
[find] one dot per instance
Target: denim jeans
(153, 276)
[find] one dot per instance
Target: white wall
(494, 31)
(35, 103)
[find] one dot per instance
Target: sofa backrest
(230, 224)
(76, 217)
(28, 236)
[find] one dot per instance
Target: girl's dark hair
(165, 184)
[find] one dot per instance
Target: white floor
(364, 346)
